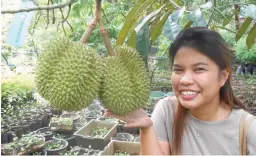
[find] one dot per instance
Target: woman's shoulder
(167, 105)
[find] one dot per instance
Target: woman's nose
(186, 79)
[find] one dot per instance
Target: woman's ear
(224, 76)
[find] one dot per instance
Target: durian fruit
(125, 84)
(66, 74)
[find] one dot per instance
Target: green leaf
(188, 24)
(142, 42)
(171, 26)
(229, 18)
(197, 17)
(132, 40)
(251, 38)
(243, 28)
(130, 18)
(149, 17)
(155, 30)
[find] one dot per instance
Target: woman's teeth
(188, 93)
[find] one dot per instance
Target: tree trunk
(237, 18)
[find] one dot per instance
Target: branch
(210, 20)
(225, 29)
(104, 15)
(43, 7)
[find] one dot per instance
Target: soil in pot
(56, 146)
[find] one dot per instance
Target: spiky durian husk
(125, 85)
(67, 74)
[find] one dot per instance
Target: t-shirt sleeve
(161, 118)
(159, 121)
(251, 137)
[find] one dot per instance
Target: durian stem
(106, 40)
(88, 32)
(103, 31)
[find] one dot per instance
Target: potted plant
(68, 136)
(42, 152)
(108, 119)
(46, 132)
(92, 114)
(74, 116)
(96, 134)
(56, 146)
(30, 143)
(137, 139)
(123, 137)
(76, 150)
(61, 124)
(9, 149)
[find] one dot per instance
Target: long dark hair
(211, 44)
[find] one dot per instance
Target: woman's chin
(191, 104)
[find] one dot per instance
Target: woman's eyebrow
(200, 63)
(196, 64)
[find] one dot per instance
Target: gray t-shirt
(215, 138)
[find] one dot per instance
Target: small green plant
(244, 54)
(99, 132)
(121, 153)
(55, 144)
(61, 124)
(109, 119)
(76, 150)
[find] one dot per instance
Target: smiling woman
(204, 115)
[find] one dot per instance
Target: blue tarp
(19, 26)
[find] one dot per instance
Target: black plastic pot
(4, 137)
(42, 152)
(123, 137)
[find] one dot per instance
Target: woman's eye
(199, 69)
(177, 70)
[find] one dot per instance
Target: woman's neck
(210, 112)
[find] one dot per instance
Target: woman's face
(196, 79)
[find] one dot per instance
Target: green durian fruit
(125, 84)
(66, 74)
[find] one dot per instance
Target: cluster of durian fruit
(70, 75)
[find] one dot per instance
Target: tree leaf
(243, 28)
(171, 26)
(149, 17)
(229, 18)
(197, 17)
(188, 24)
(251, 38)
(132, 40)
(142, 42)
(207, 5)
(155, 30)
(129, 21)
